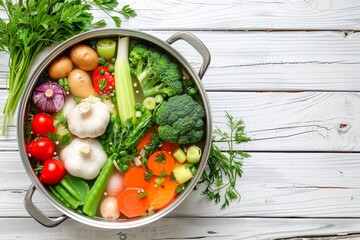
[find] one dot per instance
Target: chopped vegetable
(103, 80)
(179, 155)
(49, 97)
(106, 48)
(149, 103)
(193, 154)
(183, 173)
(181, 120)
(161, 195)
(130, 204)
(135, 178)
(161, 163)
(146, 140)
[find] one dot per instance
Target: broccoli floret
(180, 120)
(156, 71)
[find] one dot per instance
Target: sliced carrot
(135, 178)
(161, 195)
(169, 147)
(130, 204)
(161, 163)
(146, 139)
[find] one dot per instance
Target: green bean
(58, 196)
(73, 202)
(97, 190)
(65, 183)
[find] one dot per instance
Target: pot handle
(37, 214)
(195, 43)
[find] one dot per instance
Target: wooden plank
(190, 228)
(305, 121)
(240, 15)
(270, 61)
(273, 185)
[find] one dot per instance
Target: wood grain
(270, 61)
(240, 15)
(304, 121)
(170, 228)
(273, 185)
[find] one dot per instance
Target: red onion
(49, 97)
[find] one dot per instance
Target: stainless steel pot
(24, 107)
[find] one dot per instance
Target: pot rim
(31, 82)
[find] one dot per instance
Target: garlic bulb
(89, 118)
(83, 157)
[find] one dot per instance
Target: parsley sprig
(221, 165)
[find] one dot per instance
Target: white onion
(115, 185)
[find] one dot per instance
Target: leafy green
(221, 166)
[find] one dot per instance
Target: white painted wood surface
(294, 88)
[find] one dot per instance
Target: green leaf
(102, 84)
(117, 20)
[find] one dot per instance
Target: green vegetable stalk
(124, 90)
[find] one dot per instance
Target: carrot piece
(161, 163)
(135, 178)
(161, 195)
(169, 147)
(130, 204)
(146, 139)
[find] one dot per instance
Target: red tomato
(52, 172)
(41, 149)
(103, 83)
(42, 124)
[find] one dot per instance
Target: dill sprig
(221, 165)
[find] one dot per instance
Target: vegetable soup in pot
(115, 128)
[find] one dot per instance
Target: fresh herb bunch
(221, 165)
(34, 25)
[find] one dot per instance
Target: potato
(80, 83)
(84, 57)
(60, 68)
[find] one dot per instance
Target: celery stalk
(123, 84)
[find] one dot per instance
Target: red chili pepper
(103, 80)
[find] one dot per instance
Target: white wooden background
(291, 70)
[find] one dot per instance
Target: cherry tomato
(103, 80)
(52, 172)
(41, 149)
(42, 124)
